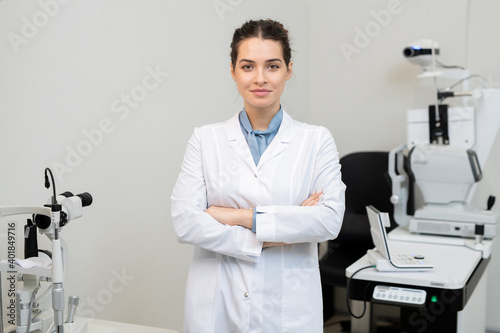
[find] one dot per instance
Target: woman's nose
(260, 77)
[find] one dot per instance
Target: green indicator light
(434, 299)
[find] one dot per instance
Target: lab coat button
(255, 175)
(245, 295)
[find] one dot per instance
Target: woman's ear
(232, 71)
(289, 71)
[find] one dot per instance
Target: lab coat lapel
(239, 143)
(280, 141)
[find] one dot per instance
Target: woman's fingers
(313, 199)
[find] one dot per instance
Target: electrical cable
(50, 327)
(364, 293)
(446, 66)
(30, 307)
(466, 78)
(47, 184)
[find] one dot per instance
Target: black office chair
(368, 183)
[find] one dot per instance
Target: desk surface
(92, 325)
(453, 265)
(105, 326)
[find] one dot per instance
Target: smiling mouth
(260, 92)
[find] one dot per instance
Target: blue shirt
(258, 140)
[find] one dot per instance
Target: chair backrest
(368, 183)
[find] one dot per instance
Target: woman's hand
(273, 244)
(313, 199)
(232, 216)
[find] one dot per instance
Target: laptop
(382, 256)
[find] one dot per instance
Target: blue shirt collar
(274, 125)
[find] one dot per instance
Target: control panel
(399, 295)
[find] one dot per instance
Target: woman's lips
(260, 92)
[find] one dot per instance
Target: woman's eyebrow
(253, 62)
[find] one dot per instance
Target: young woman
(255, 195)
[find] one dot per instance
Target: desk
(105, 326)
(91, 325)
(455, 290)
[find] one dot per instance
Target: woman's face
(260, 73)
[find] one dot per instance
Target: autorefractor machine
(446, 150)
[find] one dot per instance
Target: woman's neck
(260, 118)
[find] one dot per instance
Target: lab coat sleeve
(297, 224)
(192, 225)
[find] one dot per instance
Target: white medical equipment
(382, 257)
(446, 149)
(423, 52)
(33, 312)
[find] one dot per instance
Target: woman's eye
(246, 67)
(274, 66)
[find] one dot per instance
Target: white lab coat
(234, 285)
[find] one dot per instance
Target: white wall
(64, 84)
